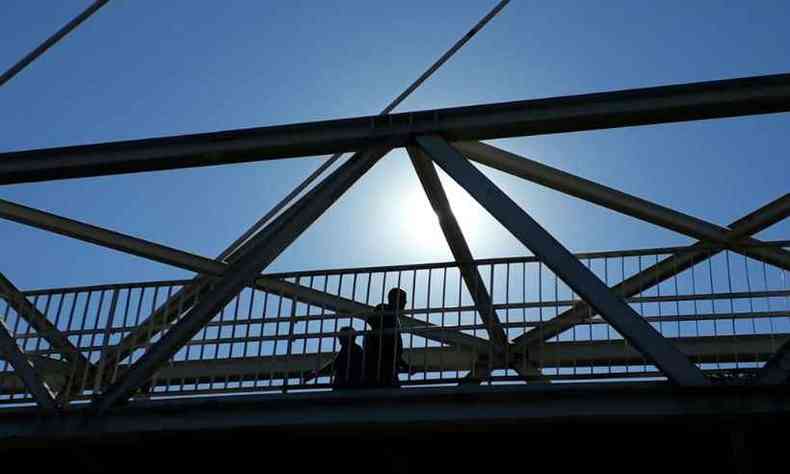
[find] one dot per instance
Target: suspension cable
(49, 42)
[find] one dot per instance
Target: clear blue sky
(140, 69)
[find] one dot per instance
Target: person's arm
(327, 369)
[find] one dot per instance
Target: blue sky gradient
(141, 69)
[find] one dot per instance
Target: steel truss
(218, 281)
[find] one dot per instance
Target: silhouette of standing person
(383, 346)
(347, 366)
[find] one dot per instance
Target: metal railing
(729, 313)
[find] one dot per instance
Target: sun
(420, 224)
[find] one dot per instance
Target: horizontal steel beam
(645, 106)
(625, 407)
(553, 355)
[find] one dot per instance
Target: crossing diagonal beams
(620, 315)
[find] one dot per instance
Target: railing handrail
(407, 267)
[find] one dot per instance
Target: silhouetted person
(383, 345)
(347, 366)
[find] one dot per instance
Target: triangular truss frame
(441, 137)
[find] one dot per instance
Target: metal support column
(622, 317)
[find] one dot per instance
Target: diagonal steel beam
(617, 312)
(44, 328)
(265, 247)
(753, 223)
(26, 371)
(633, 206)
(184, 299)
(458, 246)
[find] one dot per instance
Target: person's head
(397, 298)
(346, 336)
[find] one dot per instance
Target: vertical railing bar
(234, 325)
(259, 373)
(8, 365)
(81, 386)
(694, 302)
(507, 316)
(365, 324)
(94, 333)
(28, 328)
(713, 304)
(117, 354)
(57, 318)
(413, 301)
(677, 293)
(443, 325)
(310, 284)
(732, 310)
(641, 312)
(751, 299)
(272, 372)
(427, 317)
(222, 320)
(177, 384)
(556, 313)
(249, 320)
(460, 322)
(542, 360)
(622, 275)
(321, 329)
(167, 307)
(73, 369)
(490, 323)
(289, 342)
(351, 325)
(397, 335)
(768, 308)
(45, 313)
(608, 326)
(95, 328)
(152, 382)
(658, 304)
(380, 331)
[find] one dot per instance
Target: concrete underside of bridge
(608, 426)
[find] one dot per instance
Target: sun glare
(421, 225)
